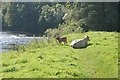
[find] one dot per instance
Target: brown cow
(62, 39)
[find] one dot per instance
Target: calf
(62, 39)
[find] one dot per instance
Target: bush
(65, 28)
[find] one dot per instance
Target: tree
(100, 16)
(50, 17)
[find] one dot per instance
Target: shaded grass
(53, 60)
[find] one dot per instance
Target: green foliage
(50, 17)
(37, 17)
(98, 60)
(52, 32)
(31, 17)
(34, 44)
(72, 26)
(101, 16)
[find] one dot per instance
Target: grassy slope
(98, 60)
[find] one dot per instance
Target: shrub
(65, 28)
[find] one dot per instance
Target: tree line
(37, 17)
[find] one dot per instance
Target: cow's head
(57, 38)
(87, 37)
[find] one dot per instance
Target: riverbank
(52, 60)
(10, 40)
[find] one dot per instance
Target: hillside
(52, 60)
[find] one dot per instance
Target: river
(8, 40)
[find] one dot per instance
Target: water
(9, 40)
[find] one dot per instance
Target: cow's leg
(65, 43)
(59, 42)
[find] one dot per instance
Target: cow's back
(79, 44)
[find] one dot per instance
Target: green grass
(52, 60)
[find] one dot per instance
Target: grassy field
(52, 60)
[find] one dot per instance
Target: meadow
(52, 60)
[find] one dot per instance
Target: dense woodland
(59, 17)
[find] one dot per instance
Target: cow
(80, 43)
(62, 39)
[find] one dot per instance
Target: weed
(40, 57)
(24, 61)
(5, 65)
(10, 69)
